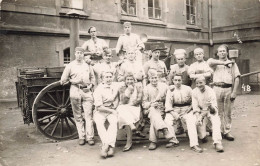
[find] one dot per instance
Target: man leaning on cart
(82, 79)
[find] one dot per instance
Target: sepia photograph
(129, 82)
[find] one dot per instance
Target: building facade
(36, 33)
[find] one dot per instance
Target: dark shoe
(152, 146)
(127, 148)
(104, 151)
(91, 142)
(204, 140)
(219, 147)
(229, 137)
(82, 142)
(196, 148)
(110, 152)
(171, 144)
(140, 134)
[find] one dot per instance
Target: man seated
(106, 101)
(178, 107)
(153, 104)
(205, 108)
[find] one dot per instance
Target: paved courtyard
(22, 145)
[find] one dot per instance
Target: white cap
(179, 51)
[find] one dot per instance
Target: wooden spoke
(68, 125)
(54, 128)
(63, 95)
(61, 131)
(47, 117)
(50, 123)
(48, 104)
(52, 99)
(72, 121)
(46, 110)
(67, 101)
(58, 96)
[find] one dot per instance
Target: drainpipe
(210, 28)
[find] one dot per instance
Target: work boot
(229, 137)
(152, 146)
(171, 144)
(196, 148)
(91, 142)
(81, 141)
(219, 147)
(104, 151)
(140, 134)
(110, 152)
(204, 140)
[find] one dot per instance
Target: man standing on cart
(95, 46)
(81, 77)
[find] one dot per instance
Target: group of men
(183, 97)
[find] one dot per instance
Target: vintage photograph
(129, 82)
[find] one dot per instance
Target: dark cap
(155, 47)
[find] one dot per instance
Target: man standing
(178, 107)
(153, 104)
(106, 65)
(155, 64)
(199, 68)
(81, 77)
(95, 46)
(180, 68)
(226, 81)
(205, 108)
(106, 98)
(127, 41)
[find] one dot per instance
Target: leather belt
(222, 85)
(80, 86)
(181, 105)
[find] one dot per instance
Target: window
(128, 7)
(190, 12)
(72, 4)
(154, 9)
(66, 56)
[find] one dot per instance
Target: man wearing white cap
(81, 77)
(156, 64)
(200, 67)
(95, 46)
(128, 40)
(180, 68)
(204, 104)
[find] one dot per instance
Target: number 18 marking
(246, 88)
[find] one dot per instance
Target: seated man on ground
(178, 108)
(153, 104)
(106, 100)
(205, 108)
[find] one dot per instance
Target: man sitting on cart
(82, 79)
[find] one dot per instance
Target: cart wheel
(52, 113)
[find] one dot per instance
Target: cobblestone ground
(22, 145)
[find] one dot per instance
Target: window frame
(154, 8)
(127, 7)
(194, 14)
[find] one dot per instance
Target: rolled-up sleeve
(65, 75)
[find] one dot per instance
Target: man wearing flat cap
(127, 41)
(94, 47)
(156, 64)
(81, 77)
(180, 68)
